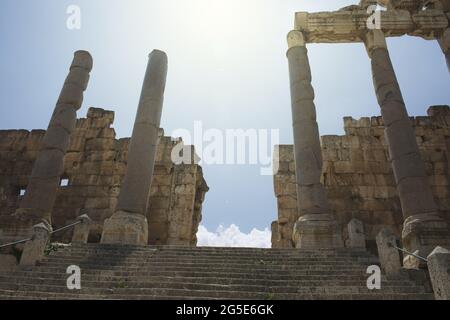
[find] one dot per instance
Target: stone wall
(358, 176)
(94, 168)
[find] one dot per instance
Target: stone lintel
(346, 26)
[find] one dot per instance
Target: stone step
(101, 281)
(147, 264)
(206, 249)
(199, 275)
(151, 273)
(210, 291)
(94, 248)
(37, 295)
(25, 295)
(61, 268)
(217, 253)
(169, 259)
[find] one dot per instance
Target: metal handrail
(410, 253)
(52, 232)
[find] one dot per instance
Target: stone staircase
(148, 273)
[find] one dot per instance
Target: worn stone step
(100, 281)
(61, 268)
(214, 291)
(218, 259)
(201, 275)
(215, 251)
(150, 264)
(38, 295)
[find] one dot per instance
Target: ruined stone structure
(312, 223)
(345, 202)
(94, 167)
(359, 178)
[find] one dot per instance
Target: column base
(421, 234)
(125, 228)
(316, 231)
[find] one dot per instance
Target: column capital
(374, 39)
(295, 38)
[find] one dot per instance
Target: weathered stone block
(356, 236)
(389, 256)
(33, 251)
(125, 228)
(439, 266)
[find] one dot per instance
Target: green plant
(52, 247)
(270, 296)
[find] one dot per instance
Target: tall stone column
(37, 203)
(128, 225)
(419, 208)
(317, 226)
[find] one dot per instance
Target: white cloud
(233, 237)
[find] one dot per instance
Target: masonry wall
(358, 176)
(95, 165)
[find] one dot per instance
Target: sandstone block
(125, 228)
(438, 266)
(33, 251)
(389, 256)
(356, 236)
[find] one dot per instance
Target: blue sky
(227, 68)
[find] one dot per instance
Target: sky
(227, 69)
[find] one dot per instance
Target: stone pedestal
(439, 268)
(126, 228)
(128, 225)
(418, 206)
(317, 227)
(37, 203)
(389, 256)
(81, 231)
(356, 236)
(317, 231)
(34, 249)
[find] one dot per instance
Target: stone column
(37, 203)
(316, 227)
(128, 225)
(444, 42)
(419, 208)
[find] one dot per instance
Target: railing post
(81, 231)
(439, 268)
(389, 256)
(34, 249)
